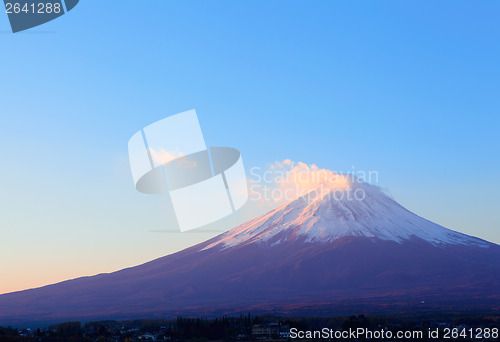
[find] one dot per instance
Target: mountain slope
(317, 254)
(328, 213)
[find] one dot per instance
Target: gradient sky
(410, 89)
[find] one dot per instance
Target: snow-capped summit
(338, 209)
(343, 248)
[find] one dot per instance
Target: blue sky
(409, 89)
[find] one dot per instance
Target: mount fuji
(323, 253)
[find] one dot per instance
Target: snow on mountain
(344, 248)
(331, 211)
